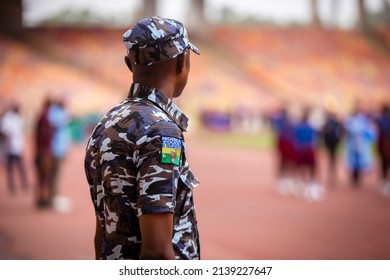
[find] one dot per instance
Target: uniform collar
(152, 94)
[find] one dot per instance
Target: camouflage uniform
(136, 164)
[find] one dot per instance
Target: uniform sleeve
(93, 177)
(157, 177)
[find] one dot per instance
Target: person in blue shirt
(306, 138)
(360, 136)
(59, 120)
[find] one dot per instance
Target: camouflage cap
(155, 39)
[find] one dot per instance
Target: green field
(263, 140)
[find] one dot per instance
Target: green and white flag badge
(171, 150)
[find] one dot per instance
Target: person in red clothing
(383, 144)
(284, 132)
(43, 156)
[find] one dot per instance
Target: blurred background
(289, 122)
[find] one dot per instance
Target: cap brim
(194, 48)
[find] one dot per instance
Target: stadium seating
(246, 68)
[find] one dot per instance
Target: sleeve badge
(171, 150)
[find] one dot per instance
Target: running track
(241, 216)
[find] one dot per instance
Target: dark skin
(169, 77)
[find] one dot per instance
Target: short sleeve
(158, 169)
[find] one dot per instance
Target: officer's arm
(156, 232)
(99, 235)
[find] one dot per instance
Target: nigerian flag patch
(170, 150)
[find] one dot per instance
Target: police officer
(136, 160)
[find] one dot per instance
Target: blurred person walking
(306, 145)
(284, 131)
(2, 141)
(43, 156)
(59, 120)
(136, 160)
(12, 129)
(384, 149)
(332, 134)
(360, 136)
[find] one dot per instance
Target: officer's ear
(128, 63)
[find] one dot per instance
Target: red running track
(241, 216)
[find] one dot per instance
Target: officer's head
(157, 47)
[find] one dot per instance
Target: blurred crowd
(53, 130)
(358, 139)
(51, 143)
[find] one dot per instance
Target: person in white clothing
(12, 129)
